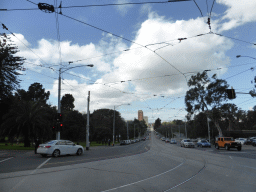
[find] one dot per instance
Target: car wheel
(79, 152)
(239, 148)
(227, 147)
(56, 153)
(216, 146)
(201, 146)
(43, 155)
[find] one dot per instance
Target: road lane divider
(6, 159)
(144, 179)
(22, 181)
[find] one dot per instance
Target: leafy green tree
(206, 94)
(27, 119)
(67, 102)
(10, 65)
(36, 92)
(74, 126)
(157, 123)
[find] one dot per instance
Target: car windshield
(203, 141)
(187, 140)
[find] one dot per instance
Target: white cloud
(123, 9)
(238, 13)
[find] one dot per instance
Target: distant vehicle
(59, 147)
(187, 143)
(173, 141)
(227, 143)
(167, 140)
(241, 140)
(163, 138)
(122, 142)
(254, 142)
(203, 143)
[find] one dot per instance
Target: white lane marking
(230, 157)
(22, 181)
(6, 159)
(247, 166)
(233, 152)
(43, 163)
(144, 179)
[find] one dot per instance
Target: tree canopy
(67, 102)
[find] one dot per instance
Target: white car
(187, 143)
(241, 140)
(59, 147)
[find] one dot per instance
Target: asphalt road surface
(146, 166)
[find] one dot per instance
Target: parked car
(173, 141)
(187, 143)
(59, 147)
(163, 138)
(241, 140)
(167, 140)
(203, 143)
(122, 142)
(254, 142)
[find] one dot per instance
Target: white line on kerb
(144, 179)
(22, 181)
(6, 159)
(230, 157)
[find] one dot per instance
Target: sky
(143, 54)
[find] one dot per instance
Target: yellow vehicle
(227, 143)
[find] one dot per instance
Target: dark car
(203, 143)
(254, 142)
(122, 142)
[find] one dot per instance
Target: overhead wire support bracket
(46, 7)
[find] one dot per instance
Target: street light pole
(59, 93)
(114, 128)
(59, 104)
(127, 131)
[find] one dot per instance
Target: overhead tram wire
(198, 8)
(26, 46)
(121, 37)
(234, 39)
(58, 32)
(100, 5)
(212, 8)
(124, 39)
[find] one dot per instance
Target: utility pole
(186, 129)
(114, 127)
(87, 126)
(134, 127)
(59, 105)
(208, 129)
(127, 131)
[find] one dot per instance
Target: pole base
(87, 148)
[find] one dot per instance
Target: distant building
(140, 115)
(146, 119)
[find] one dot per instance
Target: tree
(206, 94)
(67, 102)
(28, 119)
(36, 92)
(157, 123)
(10, 66)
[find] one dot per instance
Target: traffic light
(59, 117)
(231, 93)
(60, 126)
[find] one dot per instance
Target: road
(156, 166)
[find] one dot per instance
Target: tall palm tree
(27, 118)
